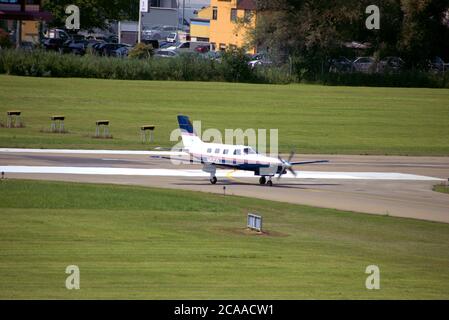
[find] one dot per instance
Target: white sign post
(142, 8)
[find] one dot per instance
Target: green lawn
(441, 188)
(310, 118)
(135, 242)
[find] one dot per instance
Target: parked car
(172, 37)
(164, 53)
(202, 49)
(106, 49)
(74, 46)
(121, 52)
(364, 64)
(260, 60)
(165, 44)
(158, 32)
(438, 65)
(78, 37)
(390, 64)
(340, 64)
(212, 55)
(188, 46)
(53, 44)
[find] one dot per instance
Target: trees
(314, 30)
(93, 13)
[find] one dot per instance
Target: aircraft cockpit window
(249, 151)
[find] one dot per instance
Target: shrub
(192, 67)
(5, 41)
(141, 51)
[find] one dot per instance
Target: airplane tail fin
(189, 137)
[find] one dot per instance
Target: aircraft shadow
(275, 184)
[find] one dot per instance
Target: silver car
(364, 64)
(158, 32)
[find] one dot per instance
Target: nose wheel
(213, 180)
(263, 180)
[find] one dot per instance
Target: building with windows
(22, 19)
(200, 26)
(230, 23)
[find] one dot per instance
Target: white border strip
(219, 173)
(70, 151)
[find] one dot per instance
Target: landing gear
(270, 183)
(262, 180)
(213, 180)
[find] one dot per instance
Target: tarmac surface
(385, 185)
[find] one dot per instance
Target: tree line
(313, 31)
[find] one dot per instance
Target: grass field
(135, 242)
(310, 118)
(441, 188)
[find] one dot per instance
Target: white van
(188, 46)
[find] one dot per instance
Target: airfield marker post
(143, 132)
(57, 123)
(105, 125)
(13, 118)
(254, 222)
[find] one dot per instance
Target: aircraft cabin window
(209, 150)
(225, 151)
(217, 150)
(237, 152)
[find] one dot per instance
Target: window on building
(247, 16)
(214, 13)
(232, 47)
(222, 47)
(233, 15)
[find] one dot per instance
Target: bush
(5, 42)
(191, 67)
(141, 51)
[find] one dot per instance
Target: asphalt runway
(385, 185)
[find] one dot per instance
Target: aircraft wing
(309, 162)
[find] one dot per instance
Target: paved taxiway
(358, 183)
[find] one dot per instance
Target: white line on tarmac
(219, 173)
(70, 151)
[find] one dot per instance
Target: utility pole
(183, 10)
(143, 7)
(139, 29)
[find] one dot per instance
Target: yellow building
(230, 22)
(200, 26)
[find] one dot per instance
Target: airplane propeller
(286, 165)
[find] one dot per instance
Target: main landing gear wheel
(269, 183)
(262, 180)
(213, 180)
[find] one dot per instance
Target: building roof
(25, 15)
(246, 4)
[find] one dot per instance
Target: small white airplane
(238, 157)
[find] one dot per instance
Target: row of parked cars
(388, 64)
(81, 46)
